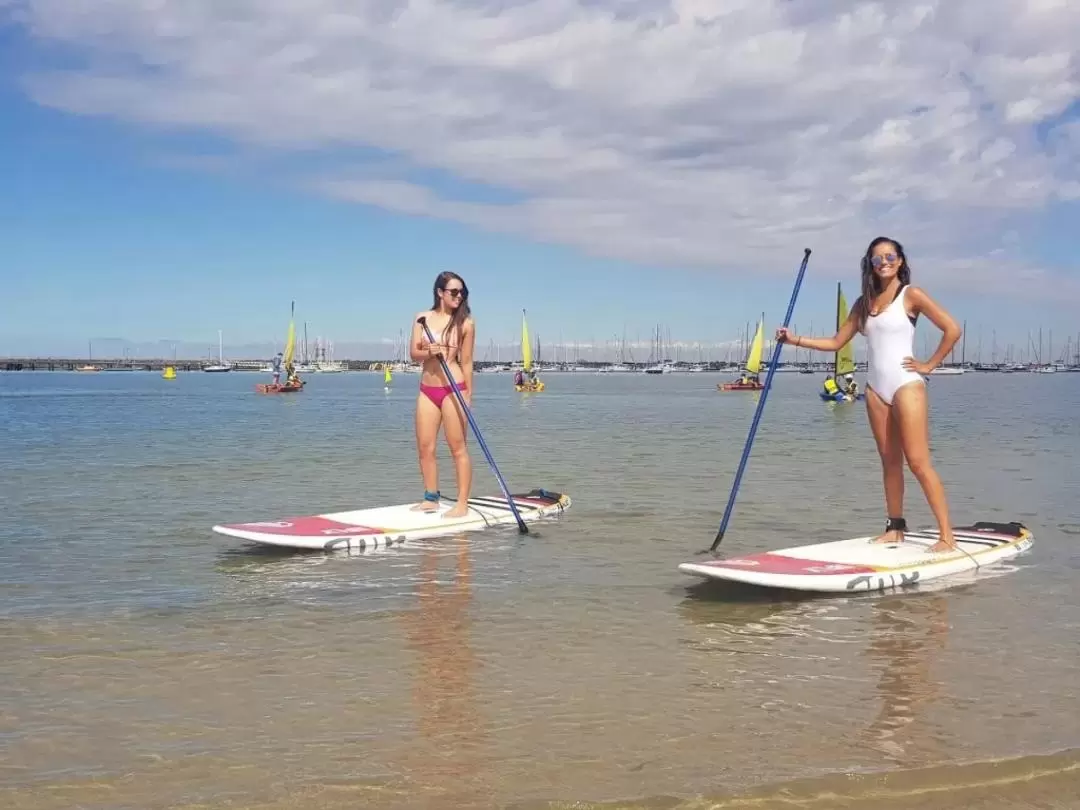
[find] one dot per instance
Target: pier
(118, 364)
(158, 364)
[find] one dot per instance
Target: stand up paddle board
(388, 525)
(847, 566)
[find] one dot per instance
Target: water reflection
(907, 637)
(448, 761)
(735, 606)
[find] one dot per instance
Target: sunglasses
(454, 292)
(877, 261)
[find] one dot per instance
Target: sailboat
(844, 359)
(952, 369)
(221, 365)
(750, 381)
(532, 384)
(89, 366)
(293, 383)
(387, 377)
(327, 365)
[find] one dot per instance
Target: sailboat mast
(836, 354)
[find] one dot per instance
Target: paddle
(760, 407)
(472, 423)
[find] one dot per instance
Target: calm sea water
(148, 663)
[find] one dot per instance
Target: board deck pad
(845, 566)
(390, 525)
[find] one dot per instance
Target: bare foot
(426, 506)
(891, 536)
(460, 510)
(946, 543)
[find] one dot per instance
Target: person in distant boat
(533, 379)
(454, 330)
(851, 388)
(519, 377)
(896, 397)
(831, 388)
(275, 367)
(747, 380)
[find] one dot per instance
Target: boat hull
(840, 396)
(270, 388)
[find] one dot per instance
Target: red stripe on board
(313, 526)
(769, 563)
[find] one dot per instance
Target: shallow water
(150, 663)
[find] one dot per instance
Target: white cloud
(722, 133)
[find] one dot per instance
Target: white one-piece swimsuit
(890, 337)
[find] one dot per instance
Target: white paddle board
(850, 566)
(389, 525)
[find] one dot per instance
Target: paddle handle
(777, 348)
(472, 423)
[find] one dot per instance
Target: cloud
(725, 134)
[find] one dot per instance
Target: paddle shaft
(760, 406)
(472, 423)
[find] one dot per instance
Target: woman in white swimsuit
(896, 402)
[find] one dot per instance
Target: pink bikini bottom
(437, 393)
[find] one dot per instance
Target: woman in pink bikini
(453, 329)
(896, 400)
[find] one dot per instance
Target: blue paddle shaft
(777, 348)
(472, 423)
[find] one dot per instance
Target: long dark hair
(457, 319)
(871, 287)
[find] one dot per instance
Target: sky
(171, 168)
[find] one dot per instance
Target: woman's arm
(838, 341)
(923, 304)
(465, 356)
(419, 348)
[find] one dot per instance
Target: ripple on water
(149, 663)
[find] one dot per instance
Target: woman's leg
(428, 419)
(887, 437)
(455, 428)
(912, 414)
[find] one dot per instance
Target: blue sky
(167, 176)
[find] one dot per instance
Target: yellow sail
(290, 340)
(753, 360)
(845, 358)
(526, 349)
